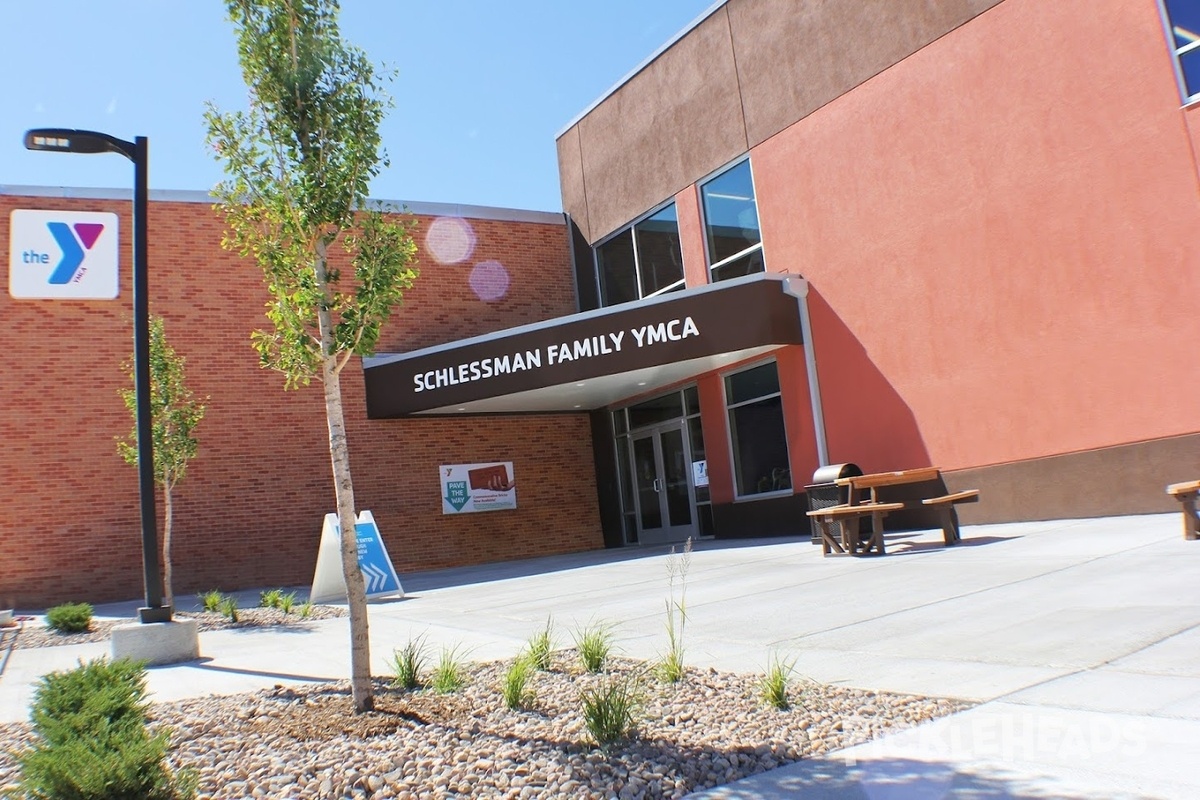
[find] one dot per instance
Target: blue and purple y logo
(69, 255)
(71, 267)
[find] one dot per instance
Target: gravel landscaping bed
(304, 742)
(36, 635)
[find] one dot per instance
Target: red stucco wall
(999, 232)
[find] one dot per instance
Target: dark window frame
(738, 495)
(748, 253)
(636, 252)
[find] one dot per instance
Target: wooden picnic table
(859, 505)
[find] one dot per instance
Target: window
(1183, 23)
(642, 260)
(731, 224)
(756, 431)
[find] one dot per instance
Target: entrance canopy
(593, 359)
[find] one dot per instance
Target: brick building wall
(249, 513)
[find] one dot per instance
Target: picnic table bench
(847, 515)
(1186, 493)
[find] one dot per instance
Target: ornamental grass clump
(229, 607)
(671, 667)
(610, 708)
(594, 643)
(450, 674)
(211, 600)
(408, 663)
(70, 617)
(515, 686)
(773, 686)
(92, 741)
(540, 646)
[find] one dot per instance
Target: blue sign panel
(377, 569)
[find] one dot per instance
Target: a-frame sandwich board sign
(378, 573)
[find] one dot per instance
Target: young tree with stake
(298, 165)
(174, 415)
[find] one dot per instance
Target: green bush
(306, 609)
(515, 686)
(269, 598)
(70, 617)
(92, 742)
(594, 644)
(540, 646)
(610, 708)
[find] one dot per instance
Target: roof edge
(647, 61)
(198, 196)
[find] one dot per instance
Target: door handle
(657, 488)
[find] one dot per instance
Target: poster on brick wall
(467, 488)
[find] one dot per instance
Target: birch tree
(298, 164)
(174, 414)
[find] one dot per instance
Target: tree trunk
(339, 453)
(168, 592)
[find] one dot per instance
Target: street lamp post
(65, 140)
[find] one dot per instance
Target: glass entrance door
(662, 484)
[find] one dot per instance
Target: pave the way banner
(380, 576)
(467, 488)
(62, 255)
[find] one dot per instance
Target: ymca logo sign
(68, 255)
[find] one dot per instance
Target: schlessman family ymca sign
(679, 327)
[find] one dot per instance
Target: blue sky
(483, 87)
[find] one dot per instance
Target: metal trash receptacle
(824, 492)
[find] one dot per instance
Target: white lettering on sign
(560, 353)
(671, 331)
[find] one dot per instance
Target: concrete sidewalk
(1079, 637)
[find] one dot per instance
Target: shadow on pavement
(206, 665)
(831, 778)
(464, 576)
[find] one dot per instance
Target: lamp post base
(162, 643)
(160, 614)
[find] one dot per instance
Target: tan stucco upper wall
(742, 75)
(655, 134)
(792, 59)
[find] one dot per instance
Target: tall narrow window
(756, 430)
(731, 224)
(642, 260)
(1183, 21)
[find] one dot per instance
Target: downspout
(797, 287)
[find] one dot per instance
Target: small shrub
(287, 602)
(773, 686)
(211, 600)
(70, 617)
(269, 598)
(450, 674)
(515, 685)
(540, 646)
(594, 644)
(92, 742)
(610, 708)
(229, 607)
(306, 609)
(408, 662)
